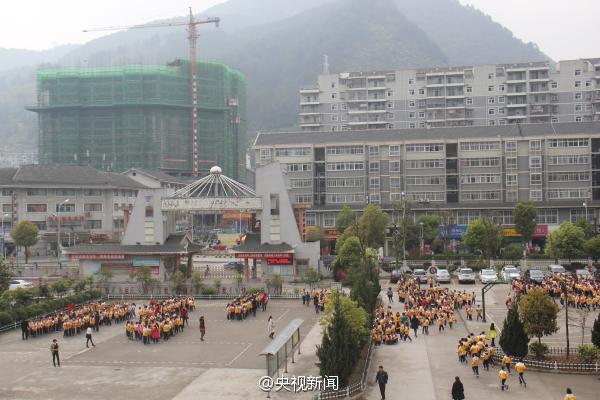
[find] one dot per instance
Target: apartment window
(92, 224)
(345, 150)
(390, 115)
(333, 95)
(7, 192)
(535, 162)
(578, 118)
(554, 119)
(36, 208)
(374, 166)
(422, 124)
(7, 208)
(92, 207)
(500, 111)
(511, 162)
(411, 92)
(411, 115)
(425, 180)
(568, 193)
(569, 160)
(344, 106)
(578, 107)
(467, 216)
(580, 214)
(535, 145)
(469, 89)
(345, 166)
(329, 220)
(568, 176)
(577, 96)
(310, 219)
(411, 103)
(395, 166)
(293, 152)
(345, 198)
(491, 122)
(411, 125)
(334, 107)
(577, 83)
(547, 215)
(37, 192)
(374, 198)
(149, 212)
(374, 182)
(421, 91)
(390, 92)
(304, 198)
(298, 167)
(395, 183)
(344, 182)
(511, 179)
(390, 104)
(426, 196)
(502, 217)
(65, 207)
(66, 192)
(421, 114)
(265, 156)
(491, 100)
(491, 75)
(116, 207)
(490, 88)
(334, 118)
(576, 142)
(301, 183)
(481, 195)
(502, 121)
(577, 72)
(479, 146)
(535, 179)
(411, 81)
(96, 192)
(480, 162)
(588, 83)
(554, 85)
(423, 148)
(469, 101)
(510, 146)
(479, 178)
(373, 150)
(501, 88)
(491, 111)
(394, 150)
(118, 223)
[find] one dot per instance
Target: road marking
(281, 316)
(239, 355)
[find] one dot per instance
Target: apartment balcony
(510, 94)
(355, 88)
(357, 100)
(455, 96)
(308, 113)
(435, 85)
(435, 106)
(357, 123)
(376, 77)
(378, 122)
(516, 81)
(436, 96)
(377, 111)
(375, 88)
(516, 105)
(377, 100)
(516, 69)
(516, 116)
(310, 125)
(596, 97)
(309, 90)
(310, 103)
(435, 73)
(541, 80)
(357, 111)
(455, 84)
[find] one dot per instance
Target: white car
(420, 275)
(510, 272)
(442, 276)
(488, 275)
(19, 283)
(583, 274)
(466, 275)
(556, 269)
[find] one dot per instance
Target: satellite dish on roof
(216, 170)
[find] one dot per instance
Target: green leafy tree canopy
(482, 234)
(525, 219)
(374, 223)
(566, 242)
(592, 248)
(25, 234)
(344, 219)
(538, 313)
(431, 224)
(5, 276)
(513, 338)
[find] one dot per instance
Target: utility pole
(566, 301)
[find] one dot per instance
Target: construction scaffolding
(138, 116)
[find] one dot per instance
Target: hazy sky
(564, 29)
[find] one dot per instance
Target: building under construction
(139, 116)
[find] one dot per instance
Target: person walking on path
(475, 365)
(414, 324)
(503, 375)
(88, 337)
(390, 295)
(569, 395)
(25, 330)
(493, 334)
(520, 368)
(382, 379)
(271, 327)
(458, 390)
(54, 351)
(202, 328)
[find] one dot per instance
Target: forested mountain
(279, 45)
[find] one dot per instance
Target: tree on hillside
(592, 248)
(344, 219)
(565, 242)
(525, 219)
(482, 234)
(513, 339)
(5, 276)
(340, 346)
(25, 234)
(538, 313)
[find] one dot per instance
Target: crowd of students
(160, 320)
(580, 292)
(242, 307)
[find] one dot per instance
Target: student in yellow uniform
(570, 395)
(503, 375)
(475, 365)
(520, 368)
(506, 360)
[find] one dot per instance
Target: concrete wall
(147, 230)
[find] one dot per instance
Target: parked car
(510, 272)
(420, 274)
(19, 283)
(557, 269)
(466, 275)
(534, 275)
(395, 276)
(488, 275)
(442, 276)
(583, 274)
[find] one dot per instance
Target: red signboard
(263, 255)
(279, 260)
(540, 232)
(97, 256)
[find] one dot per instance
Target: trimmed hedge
(46, 307)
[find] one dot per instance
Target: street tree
(344, 219)
(431, 225)
(513, 339)
(311, 277)
(352, 312)
(565, 242)
(591, 248)
(178, 281)
(340, 347)
(580, 320)
(485, 236)
(513, 252)
(5, 276)
(25, 234)
(197, 282)
(144, 276)
(374, 223)
(103, 278)
(596, 332)
(525, 219)
(538, 312)
(586, 226)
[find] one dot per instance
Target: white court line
(239, 355)
(281, 316)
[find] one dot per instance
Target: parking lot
(121, 369)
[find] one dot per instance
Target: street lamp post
(404, 265)
(586, 211)
(3, 236)
(58, 227)
(422, 239)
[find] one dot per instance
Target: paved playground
(182, 368)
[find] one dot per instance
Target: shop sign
(97, 256)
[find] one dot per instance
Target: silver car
(510, 272)
(466, 275)
(488, 275)
(442, 276)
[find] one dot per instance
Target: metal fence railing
(355, 388)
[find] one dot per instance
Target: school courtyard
(226, 365)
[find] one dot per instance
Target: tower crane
(192, 25)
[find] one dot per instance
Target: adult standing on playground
(54, 351)
(88, 337)
(382, 379)
(458, 390)
(271, 327)
(493, 334)
(202, 328)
